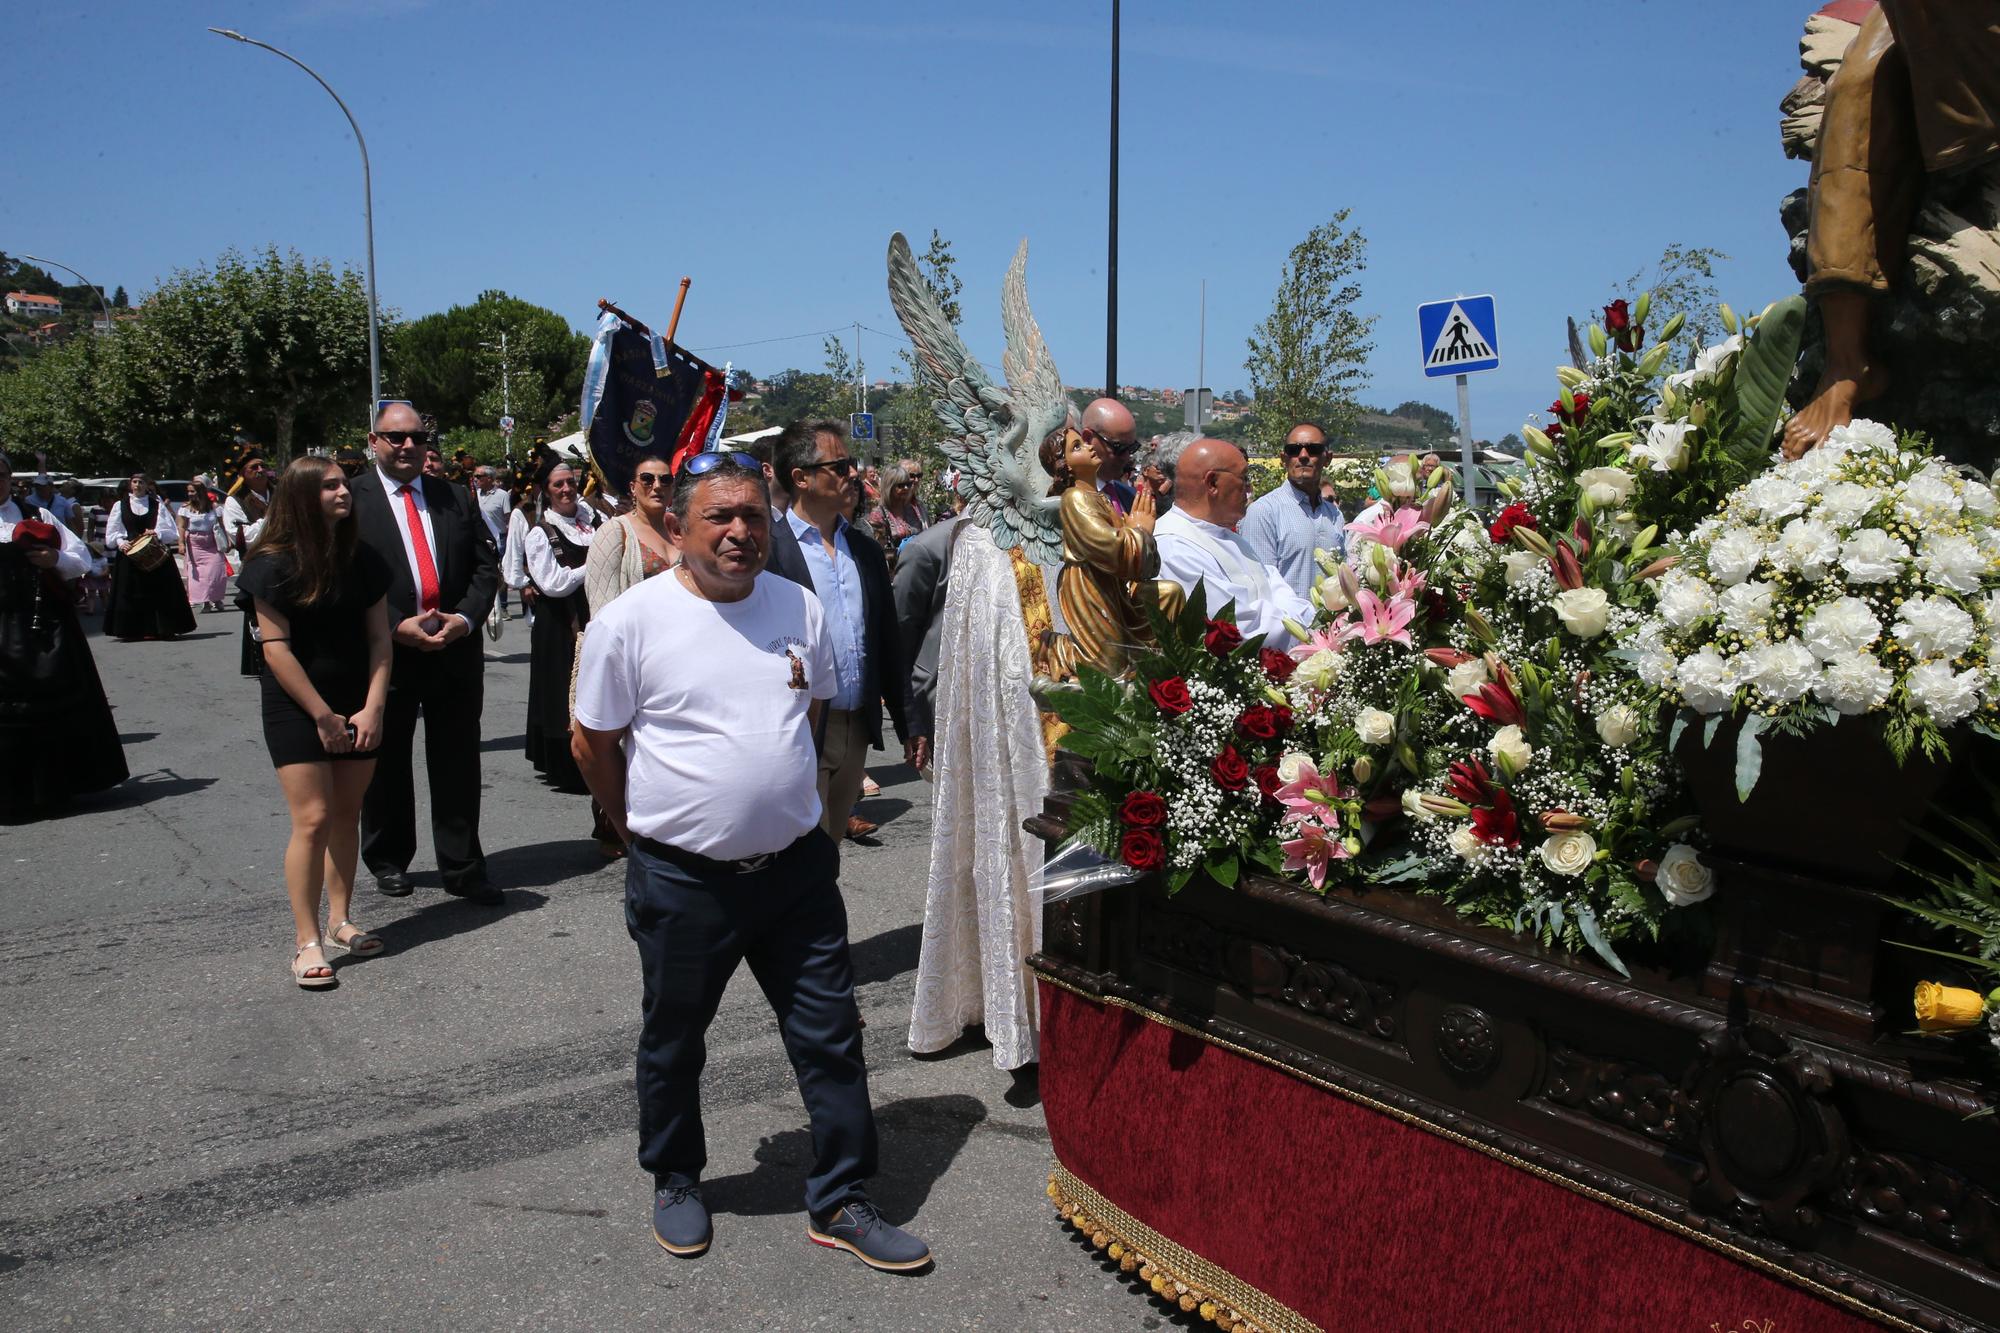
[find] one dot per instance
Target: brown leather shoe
(857, 827)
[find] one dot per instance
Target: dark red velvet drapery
(1357, 1220)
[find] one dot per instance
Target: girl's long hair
(296, 527)
(198, 499)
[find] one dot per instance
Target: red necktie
(427, 575)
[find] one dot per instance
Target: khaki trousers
(842, 757)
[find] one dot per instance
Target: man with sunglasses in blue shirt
(817, 547)
(1285, 525)
(697, 695)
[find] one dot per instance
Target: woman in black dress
(145, 603)
(324, 625)
(57, 739)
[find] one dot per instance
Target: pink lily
(1316, 848)
(1392, 528)
(1383, 621)
(1327, 640)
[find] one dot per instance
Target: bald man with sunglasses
(446, 573)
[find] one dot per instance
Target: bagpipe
(646, 396)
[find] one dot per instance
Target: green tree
(450, 363)
(1308, 357)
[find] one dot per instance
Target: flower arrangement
(1864, 578)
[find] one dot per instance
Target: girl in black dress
(324, 624)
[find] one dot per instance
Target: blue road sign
(861, 427)
(1459, 336)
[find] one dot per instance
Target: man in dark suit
(923, 577)
(446, 572)
(816, 546)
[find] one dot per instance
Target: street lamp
(367, 206)
(98, 291)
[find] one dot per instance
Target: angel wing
(991, 435)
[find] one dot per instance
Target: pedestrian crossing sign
(1459, 336)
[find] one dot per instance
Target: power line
(760, 342)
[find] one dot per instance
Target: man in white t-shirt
(698, 696)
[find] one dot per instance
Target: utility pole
(506, 398)
(1111, 263)
(1201, 356)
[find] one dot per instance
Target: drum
(147, 552)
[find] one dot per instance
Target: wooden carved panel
(1270, 971)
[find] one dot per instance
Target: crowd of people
(712, 661)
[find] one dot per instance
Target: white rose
(1846, 503)
(1706, 681)
(1290, 764)
(1853, 683)
(1584, 611)
(1808, 547)
(1374, 726)
(1682, 879)
(1520, 564)
(1606, 486)
(1934, 627)
(1734, 554)
(1746, 608)
(1684, 599)
(1331, 595)
(1401, 484)
(1569, 852)
(1466, 846)
(1665, 446)
(1511, 748)
(1844, 626)
(1946, 695)
(1618, 725)
(1873, 556)
(1784, 671)
(1320, 670)
(1466, 678)
(1953, 562)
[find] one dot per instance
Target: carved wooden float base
(1629, 1142)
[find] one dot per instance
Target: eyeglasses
(709, 462)
(399, 438)
(650, 479)
(1310, 450)
(842, 467)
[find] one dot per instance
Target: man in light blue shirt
(1284, 526)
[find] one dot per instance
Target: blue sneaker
(680, 1220)
(857, 1228)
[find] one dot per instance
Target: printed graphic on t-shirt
(793, 649)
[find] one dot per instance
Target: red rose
(1142, 849)
(1278, 666)
(1222, 638)
(1571, 416)
(1553, 430)
(1257, 724)
(1513, 516)
(1618, 323)
(1229, 770)
(1282, 717)
(1171, 696)
(1143, 809)
(1268, 781)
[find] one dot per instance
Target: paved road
(445, 1139)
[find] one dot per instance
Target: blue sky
(567, 152)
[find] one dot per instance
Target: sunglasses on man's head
(1310, 450)
(709, 462)
(399, 438)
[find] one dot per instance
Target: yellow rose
(1947, 1008)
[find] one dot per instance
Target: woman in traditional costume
(321, 599)
(634, 546)
(201, 534)
(147, 599)
(555, 552)
(57, 739)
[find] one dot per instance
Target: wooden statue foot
(1833, 404)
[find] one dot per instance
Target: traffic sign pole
(1468, 468)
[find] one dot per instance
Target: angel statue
(996, 634)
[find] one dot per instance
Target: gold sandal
(303, 975)
(361, 943)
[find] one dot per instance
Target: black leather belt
(705, 865)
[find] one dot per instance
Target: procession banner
(641, 395)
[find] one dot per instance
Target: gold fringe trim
(1746, 1257)
(1177, 1275)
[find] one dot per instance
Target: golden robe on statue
(1103, 557)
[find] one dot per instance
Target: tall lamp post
(367, 206)
(98, 291)
(1111, 260)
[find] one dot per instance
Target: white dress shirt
(394, 489)
(1194, 551)
(238, 530)
(73, 560)
(514, 555)
(551, 577)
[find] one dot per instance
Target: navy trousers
(788, 922)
